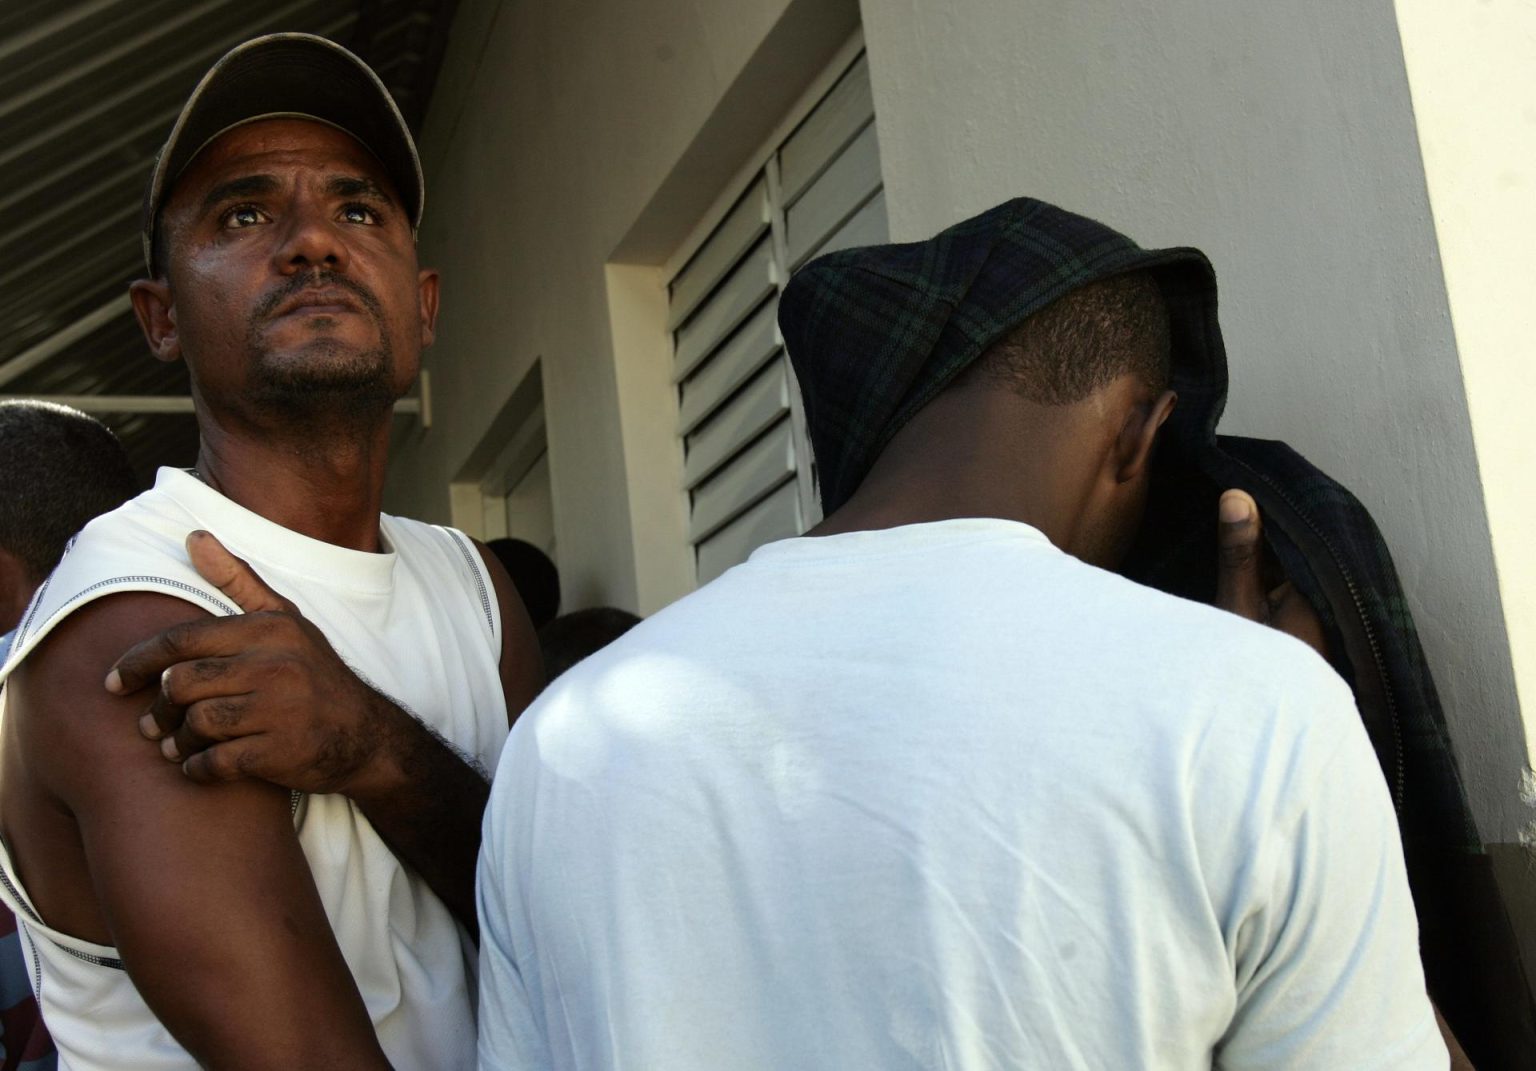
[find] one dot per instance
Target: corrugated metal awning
(88, 90)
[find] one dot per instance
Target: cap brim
(289, 74)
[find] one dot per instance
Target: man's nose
(311, 240)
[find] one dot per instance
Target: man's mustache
(318, 279)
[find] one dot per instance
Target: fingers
(202, 638)
(1291, 613)
(208, 723)
(229, 761)
(233, 576)
(185, 683)
(1239, 583)
(1240, 580)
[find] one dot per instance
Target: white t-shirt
(420, 623)
(945, 797)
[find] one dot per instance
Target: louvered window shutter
(747, 468)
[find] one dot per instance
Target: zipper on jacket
(1399, 773)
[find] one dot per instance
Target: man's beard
(326, 384)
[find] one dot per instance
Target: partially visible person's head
(279, 231)
(1016, 365)
(568, 639)
(533, 574)
(60, 469)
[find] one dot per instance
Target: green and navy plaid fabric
(876, 333)
(1432, 807)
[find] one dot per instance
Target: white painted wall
(564, 137)
(1279, 138)
(1477, 127)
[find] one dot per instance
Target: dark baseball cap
(288, 75)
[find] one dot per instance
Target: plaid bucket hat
(876, 333)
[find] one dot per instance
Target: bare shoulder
(59, 713)
(522, 666)
(203, 890)
(73, 762)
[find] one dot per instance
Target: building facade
(618, 190)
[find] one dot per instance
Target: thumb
(233, 576)
(1239, 585)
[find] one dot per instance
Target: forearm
(426, 800)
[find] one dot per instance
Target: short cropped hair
(1083, 341)
(571, 637)
(533, 574)
(58, 469)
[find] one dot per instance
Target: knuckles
(214, 717)
(176, 640)
(275, 622)
(204, 670)
(216, 764)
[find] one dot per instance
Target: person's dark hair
(1082, 341)
(571, 637)
(533, 574)
(60, 469)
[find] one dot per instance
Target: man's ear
(1133, 450)
(427, 286)
(156, 310)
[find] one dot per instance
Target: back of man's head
(571, 637)
(1054, 424)
(1081, 342)
(60, 469)
(534, 575)
(877, 334)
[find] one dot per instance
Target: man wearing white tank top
(250, 839)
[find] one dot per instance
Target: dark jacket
(1323, 540)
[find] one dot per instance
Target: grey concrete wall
(562, 138)
(1279, 138)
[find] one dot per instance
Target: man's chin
(325, 379)
(310, 385)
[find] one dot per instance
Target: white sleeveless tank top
(421, 624)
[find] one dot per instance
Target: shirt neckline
(251, 536)
(901, 539)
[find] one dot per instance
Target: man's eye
(244, 216)
(360, 214)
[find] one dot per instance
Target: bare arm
(265, 696)
(427, 810)
(429, 806)
(522, 664)
(204, 891)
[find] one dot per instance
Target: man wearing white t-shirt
(932, 788)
